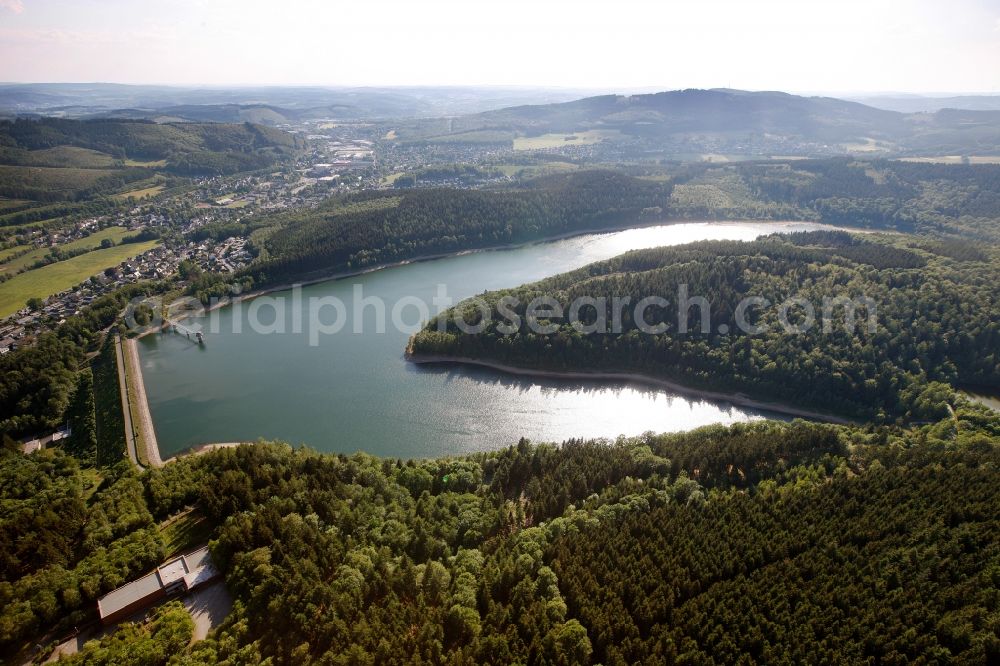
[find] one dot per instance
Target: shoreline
(343, 275)
(145, 417)
(204, 448)
(153, 450)
(738, 399)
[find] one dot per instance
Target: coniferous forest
(361, 230)
(433, 333)
(760, 543)
(918, 295)
(768, 542)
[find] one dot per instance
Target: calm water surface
(356, 392)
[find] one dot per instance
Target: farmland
(59, 156)
(91, 242)
(52, 279)
(545, 141)
(7, 205)
(143, 193)
(148, 164)
(26, 180)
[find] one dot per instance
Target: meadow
(149, 164)
(58, 156)
(91, 242)
(57, 277)
(7, 205)
(545, 141)
(143, 193)
(51, 179)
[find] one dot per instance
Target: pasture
(91, 242)
(532, 170)
(49, 179)
(7, 205)
(548, 141)
(151, 164)
(62, 275)
(143, 193)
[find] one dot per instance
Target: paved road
(126, 410)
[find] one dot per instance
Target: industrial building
(177, 576)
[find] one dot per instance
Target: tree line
(932, 317)
(762, 542)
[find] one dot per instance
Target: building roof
(194, 568)
(128, 594)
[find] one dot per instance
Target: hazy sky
(798, 45)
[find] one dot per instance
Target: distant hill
(188, 148)
(236, 104)
(55, 159)
(930, 104)
(703, 111)
(724, 121)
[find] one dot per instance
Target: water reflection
(355, 392)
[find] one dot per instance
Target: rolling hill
(232, 104)
(726, 121)
(55, 159)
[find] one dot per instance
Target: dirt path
(126, 409)
(142, 406)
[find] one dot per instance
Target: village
(334, 164)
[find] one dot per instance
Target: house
(177, 576)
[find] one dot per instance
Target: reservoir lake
(355, 391)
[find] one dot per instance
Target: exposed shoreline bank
(142, 405)
(146, 420)
(738, 399)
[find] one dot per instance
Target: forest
(372, 228)
(766, 542)
(941, 200)
(59, 160)
(138, 139)
(932, 315)
(38, 381)
(361, 230)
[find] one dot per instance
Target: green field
(533, 170)
(392, 177)
(52, 279)
(149, 164)
(91, 242)
(50, 178)
(720, 192)
(67, 156)
(474, 136)
(10, 252)
(562, 140)
(151, 191)
(14, 204)
(62, 156)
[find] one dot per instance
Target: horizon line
(516, 86)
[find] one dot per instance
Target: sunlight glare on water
(356, 391)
